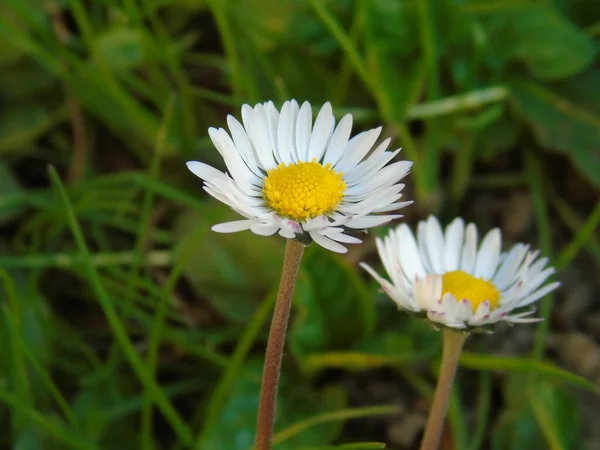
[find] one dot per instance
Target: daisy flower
(302, 180)
(457, 283)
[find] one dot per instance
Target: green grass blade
(117, 327)
(222, 390)
(535, 172)
(514, 364)
(51, 427)
(334, 416)
(580, 239)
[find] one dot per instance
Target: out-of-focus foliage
(130, 87)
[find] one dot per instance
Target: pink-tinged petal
(316, 223)
(287, 233)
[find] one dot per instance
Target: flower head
(303, 180)
(446, 275)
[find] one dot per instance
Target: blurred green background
(126, 323)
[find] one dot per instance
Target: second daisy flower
(457, 282)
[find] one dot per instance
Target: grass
(121, 323)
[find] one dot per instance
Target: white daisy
(289, 176)
(455, 282)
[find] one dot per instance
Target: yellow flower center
(303, 190)
(462, 285)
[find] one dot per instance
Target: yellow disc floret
(303, 190)
(465, 286)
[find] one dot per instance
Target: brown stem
(453, 344)
(270, 379)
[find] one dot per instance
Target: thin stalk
(270, 379)
(453, 344)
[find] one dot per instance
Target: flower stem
(453, 344)
(270, 379)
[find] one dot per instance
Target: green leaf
(537, 415)
(236, 427)
(25, 80)
(233, 272)
(20, 127)
(123, 48)
(8, 185)
(389, 47)
(357, 446)
(539, 36)
(566, 117)
(550, 45)
(340, 311)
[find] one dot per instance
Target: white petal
(408, 253)
(327, 243)
(285, 130)
(303, 127)
(232, 227)
(204, 171)
(538, 294)
(396, 293)
(427, 292)
(375, 161)
(488, 255)
(339, 141)
(481, 314)
(260, 135)
(454, 243)
(242, 143)
(339, 236)
(434, 244)
(316, 223)
(357, 149)
(464, 310)
(385, 177)
(281, 155)
(469, 253)
(287, 233)
(394, 206)
(321, 133)
(235, 165)
(509, 266)
(264, 229)
(370, 221)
